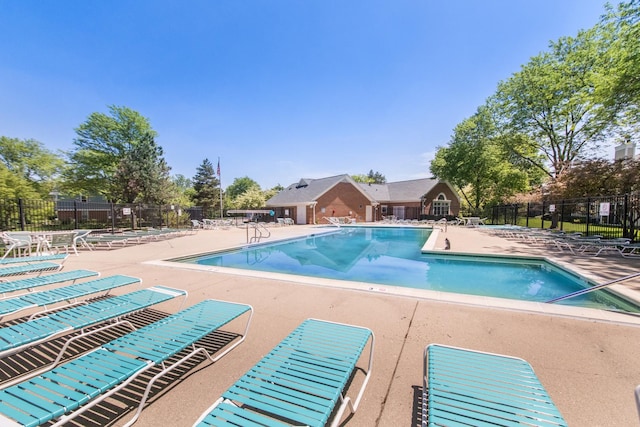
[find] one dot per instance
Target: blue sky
(279, 90)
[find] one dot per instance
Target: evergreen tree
(205, 186)
(376, 177)
(143, 174)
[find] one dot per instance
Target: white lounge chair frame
(97, 375)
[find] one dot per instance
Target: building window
(440, 206)
(383, 209)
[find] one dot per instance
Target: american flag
(218, 166)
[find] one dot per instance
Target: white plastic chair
(81, 239)
(60, 241)
(19, 243)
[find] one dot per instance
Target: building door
(368, 213)
(301, 214)
(398, 212)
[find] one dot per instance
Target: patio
(589, 366)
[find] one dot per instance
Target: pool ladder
(259, 231)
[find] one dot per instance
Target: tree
(477, 163)
(253, 198)
(556, 100)
(621, 28)
(183, 183)
(29, 160)
(182, 191)
(102, 143)
(142, 175)
(370, 178)
(272, 191)
(598, 178)
(205, 186)
(14, 186)
(241, 186)
(604, 178)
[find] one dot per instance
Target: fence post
(23, 222)
(561, 215)
(526, 222)
(626, 225)
(588, 215)
(542, 216)
(113, 218)
(75, 214)
(515, 214)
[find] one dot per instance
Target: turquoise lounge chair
(34, 258)
(69, 293)
(467, 387)
(68, 390)
(49, 279)
(108, 240)
(17, 337)
(300, 382)
(39, 267)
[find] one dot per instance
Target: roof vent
(302, 183)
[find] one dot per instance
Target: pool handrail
(637, 393)
(593, 288)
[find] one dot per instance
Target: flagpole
(220, 182)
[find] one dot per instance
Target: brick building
(310, 200)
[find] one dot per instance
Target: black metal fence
(610, 216)
(37, 215)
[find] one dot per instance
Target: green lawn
(569, 227)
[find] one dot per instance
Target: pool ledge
(540, 308)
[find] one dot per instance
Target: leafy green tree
(620, 28)
(205, 186)
(182, 182)
(182, 192)
(142, 175)
(13, 186)
(477, 164)
(32, 163)
(102, 143)
(253, 198)
(241, 186)
(556, 100)
(370, 178)
(272, 191)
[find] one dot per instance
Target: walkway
(589, 367)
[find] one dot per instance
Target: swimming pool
(392, 256)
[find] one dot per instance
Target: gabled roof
(400, 191)
(308, 190)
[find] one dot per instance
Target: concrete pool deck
(587, 360)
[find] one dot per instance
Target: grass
(569, 227)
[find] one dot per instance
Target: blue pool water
(393, 257)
